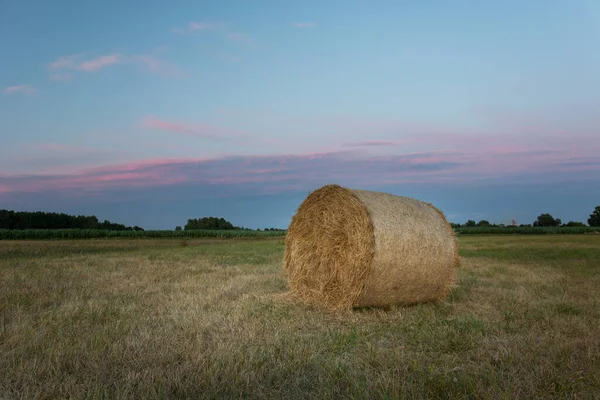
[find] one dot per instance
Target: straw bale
(355, 248)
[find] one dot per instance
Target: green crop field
(204, 318)
(29, 234)
(44, 234)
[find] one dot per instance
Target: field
(204, 318)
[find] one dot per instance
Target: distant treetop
(51, 220)
(213, 223)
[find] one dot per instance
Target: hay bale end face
(355, 248)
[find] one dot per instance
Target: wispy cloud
(148, 61)
(373, 143)
(197, 130)
(74, 62)
(153, 63)
(65, 62)
(223, 30)
(101, 62)
(27, 89)
(304, 25)
(279, 172)
(196, 26)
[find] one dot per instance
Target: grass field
(202, 318)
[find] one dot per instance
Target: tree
(209, 223)
(546, 220)
(483, 222)
(574, 223)
(50, 220)
(471, 223)
(594, 219)
(177, 228)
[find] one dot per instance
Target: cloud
(304, 25)
(198, 26)
(197, 130)
(306, 169)
(47, 158)
(152, 63)
(65, 62)
(27, 89)
(148, 61)
(373, 143)
(278, 173)
(223, 30)
(101, 62)
(74, 62)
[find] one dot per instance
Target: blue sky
(152, 112)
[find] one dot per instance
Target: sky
(153, 112)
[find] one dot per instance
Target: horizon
(154, 115)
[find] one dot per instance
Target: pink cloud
(373, 143)
(304, 24)
(153, 64)
(100, 62)
(65, 62)
(197, 130)
(73, 62)
(150, 62)
(139, 165)
(364, 152)
(198, 26)
(27, 89)
(253, 174)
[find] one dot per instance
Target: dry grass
(154, 319)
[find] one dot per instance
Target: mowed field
(204, 318)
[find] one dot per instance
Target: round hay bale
(354, 248)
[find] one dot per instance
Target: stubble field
(204, 318)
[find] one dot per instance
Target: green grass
(204, 318)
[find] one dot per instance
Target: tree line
(20, 220)
(543, 220)
(214, 223)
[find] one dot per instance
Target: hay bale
(355, 248)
